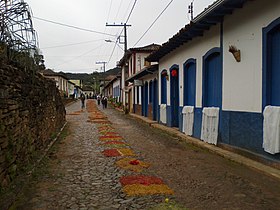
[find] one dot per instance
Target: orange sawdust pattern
(140, 179)
(128, 164)
(76, 113)
(142, 190)
(111, 153)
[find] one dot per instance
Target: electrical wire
(153, 22)
(116, 43)
(75, 27)
(118, 9)
(79, 56)
(66, 45)
(131, 11)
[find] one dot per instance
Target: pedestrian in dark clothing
(104, 102)
(83, 98)
(98, 99)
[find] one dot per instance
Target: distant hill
(88, 79)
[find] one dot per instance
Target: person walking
(104, 102)
(98, 99)
(83, 98)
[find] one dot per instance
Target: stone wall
(31, 112)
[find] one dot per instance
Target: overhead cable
(67, 45)
(153, 23)
(75, 27)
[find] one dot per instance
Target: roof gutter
(208, 10)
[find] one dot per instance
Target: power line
(131, 11)
(153, 22)
(66, 45)
(75, 27)
(79, 56)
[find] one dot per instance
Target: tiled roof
(211, 16)
(148, 70)
(149, 48)
(49, 72)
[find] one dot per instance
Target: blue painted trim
(158, 114)
(175, 119)
(163, 88)
(185, 65)
(265, 56)
(197, 122)
(210, 52)
(168, 116)
(155, 99)
(180, 119)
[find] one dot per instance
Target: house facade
(219, 74)
(60, 80)
(132, 63)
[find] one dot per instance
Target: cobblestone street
(85, 171)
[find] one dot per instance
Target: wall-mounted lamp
(165, 74)
(235, 52)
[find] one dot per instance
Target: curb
(273, 172)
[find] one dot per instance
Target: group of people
(103, 100)
(99, 98)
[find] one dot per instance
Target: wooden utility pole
(125, 32)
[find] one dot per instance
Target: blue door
(174, 97)
(212, 80)
(146, 99)
(163, 87)
(274, 70)
(190, 83)
(155, 99)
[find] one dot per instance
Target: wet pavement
(80, 176)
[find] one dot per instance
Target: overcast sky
(71, 50)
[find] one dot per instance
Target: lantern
(174, 73)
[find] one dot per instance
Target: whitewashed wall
(242, 82)
(194, 49)
(116, 83)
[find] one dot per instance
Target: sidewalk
(217, 150)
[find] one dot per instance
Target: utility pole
(125, 32)
(103, 62)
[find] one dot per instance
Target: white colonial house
(132, 63)
(220, 75)
(60, 80)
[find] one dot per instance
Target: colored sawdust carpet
(99, 121)
(118, 152)
(126, 152)
(115, 144)
(144, 185)
(110, 138)
(105, 128)
(132, 164)
(76, 113)
(109, 133)
(142, 190)
(111, 153)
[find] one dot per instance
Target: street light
(103, 62)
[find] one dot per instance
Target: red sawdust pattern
(140, 179)
(111, 153)
(114, 142)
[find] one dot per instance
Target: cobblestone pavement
(81, 177)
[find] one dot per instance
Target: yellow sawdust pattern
(126, 152)
(125, 164)
(141, 190)
(111, 139)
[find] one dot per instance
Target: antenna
(190, 10)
